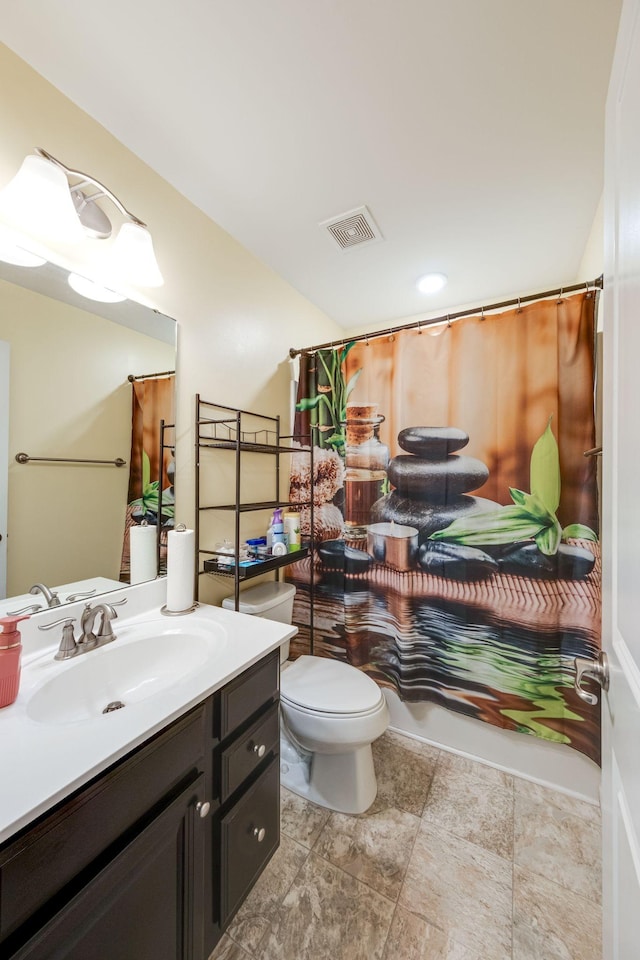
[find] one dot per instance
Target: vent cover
(352, 229)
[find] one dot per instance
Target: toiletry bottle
(277, 528)
(10, 653)
(292, 530)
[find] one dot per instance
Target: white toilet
(331, 714)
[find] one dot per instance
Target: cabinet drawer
(245, 695)
(249, 835)
(38, 864)
(247, 752)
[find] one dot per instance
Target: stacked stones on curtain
(432, 485)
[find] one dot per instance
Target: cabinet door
(145, 904)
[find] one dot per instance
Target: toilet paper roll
(143, 555)
(180, 570)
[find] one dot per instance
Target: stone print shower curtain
(152, 401)
(456, 520)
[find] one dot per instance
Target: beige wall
(592, 262)
(237, 317)
(69, 397)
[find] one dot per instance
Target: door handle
(597, 670)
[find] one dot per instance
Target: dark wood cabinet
(144, 903)
(152, 858)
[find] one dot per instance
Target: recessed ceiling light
(431, 282)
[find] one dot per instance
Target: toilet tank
(273, 601)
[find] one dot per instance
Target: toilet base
(345, 782)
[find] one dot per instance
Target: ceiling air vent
(352, 229)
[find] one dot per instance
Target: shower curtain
(152, 401)
(455, 515)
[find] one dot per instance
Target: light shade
(12, 252)
(133, 258)
(38, 202)
(431, 282)
(93, 291)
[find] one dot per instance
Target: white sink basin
(145, 660)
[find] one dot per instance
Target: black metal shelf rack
(222, 428)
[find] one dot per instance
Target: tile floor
(454, 861)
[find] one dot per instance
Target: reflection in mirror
(65, 395)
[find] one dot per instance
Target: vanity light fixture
(93, 291)
(12, 252)
(431, 283)
(52, 203)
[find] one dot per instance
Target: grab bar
(25, 458)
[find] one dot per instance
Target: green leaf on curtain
(518, 496)
(545, 470)
(505, 525)
(146, 471)
(533, 505)
(351, 382)
(309, 403)
(548, 540)
(579, 531)
(345, 351)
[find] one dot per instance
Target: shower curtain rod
(417, 324)
(150, 376)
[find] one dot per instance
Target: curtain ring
(559, 300)
(519, 310)
(448, 321)
(481, 313)
(391, 336)
(587, 291)
(366, 340)
(419, 326)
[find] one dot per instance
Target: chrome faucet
(52, 598)
(105, 634)
(69, 646)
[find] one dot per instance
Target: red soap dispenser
(10, 653)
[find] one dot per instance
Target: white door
(621, 500)
(4, 461)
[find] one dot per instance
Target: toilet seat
(324, 687)
(335, 714)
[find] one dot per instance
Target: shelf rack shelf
(222, 428)
(254, 569)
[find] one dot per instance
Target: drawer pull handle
(260, 749)
(259, 833)
(202, 808)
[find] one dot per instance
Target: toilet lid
(328, 686)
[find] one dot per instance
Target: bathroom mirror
(65, 394)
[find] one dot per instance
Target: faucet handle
(56, 623)
(68, 646)
(32, 608)
(79, 596)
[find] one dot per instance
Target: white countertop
(42, 762)
(98, 585)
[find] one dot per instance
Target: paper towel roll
(180, 570)
(143, 555)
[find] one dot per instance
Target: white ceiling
(472, 129)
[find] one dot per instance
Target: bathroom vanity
(152, 857)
